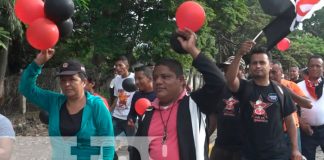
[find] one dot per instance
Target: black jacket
(192, 108)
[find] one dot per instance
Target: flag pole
(257, 36)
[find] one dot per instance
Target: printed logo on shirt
(122, 97)
(230, 106)
(259, 110)
(272, 97)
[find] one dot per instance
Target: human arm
(213, 77)
(292, 133)
(233, 81)
(105, 130)
(6, 147)
(7, 135)
(301, 101)
(27, 85)
(189, 42)
(113, 105)
(305, 127)
(288, 111)
(132, 112)
(296, 93)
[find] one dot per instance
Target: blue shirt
(6, 129)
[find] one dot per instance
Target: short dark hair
(260, 50)
(123, 59)
(146, 70)
(278, 63)
(294, 67)
(174, 65)
(314, 57)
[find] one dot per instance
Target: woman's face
(72, 86)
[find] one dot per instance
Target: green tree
(9, 27)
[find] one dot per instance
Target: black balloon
(129, 85)
(175, 44)
(43, 117)
(65, 27)
(59, 10)
(275, 7)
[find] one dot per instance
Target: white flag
(306, 8)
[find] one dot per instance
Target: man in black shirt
(264, 105)
(144, 83)
(228, 143)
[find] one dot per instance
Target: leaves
(4, 35)
(140, 29)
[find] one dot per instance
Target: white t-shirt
(315, 115)
(124, 98)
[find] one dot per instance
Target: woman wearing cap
(74, 113)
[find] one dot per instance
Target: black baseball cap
(71, 67)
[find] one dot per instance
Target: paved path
(319, 152)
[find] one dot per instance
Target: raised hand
(245, 47)
(44, 56)
(189, 42)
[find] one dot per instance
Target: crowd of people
(259, 113)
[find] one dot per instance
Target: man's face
(166, 84)
(276, 73)
(315, 68)
(259, 65)
(121, 68)
(293, 73)
(143, 82)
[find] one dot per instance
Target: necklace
(165, 131)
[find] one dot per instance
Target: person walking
(75, 112)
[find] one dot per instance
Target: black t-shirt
(262, 117)
(69, 124)
(229, 134)
(137, 95)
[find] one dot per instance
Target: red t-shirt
(103, 99)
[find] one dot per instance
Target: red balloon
(29, 10)
(190, 15)
(42, 34)
(141, 105)
(284, 44)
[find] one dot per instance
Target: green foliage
(8, 19)
(3, 37)
(229, 14)
(303, 45)
(106, 29)
(315, 25)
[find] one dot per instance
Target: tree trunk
(3, 68)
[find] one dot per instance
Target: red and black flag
(275, 7)
(289, 14)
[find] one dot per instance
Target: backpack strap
(249, 89)
(280, 94)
